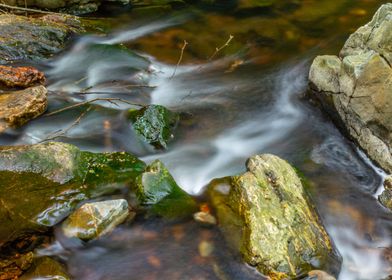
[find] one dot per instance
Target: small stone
(23, 77)
(205, 248)
(320, 275)
(19, 107)
(204, 218)
(95, 219)
(386, 197)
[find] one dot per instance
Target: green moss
(154, 124)
(157, 188)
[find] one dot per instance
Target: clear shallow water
(247, 100)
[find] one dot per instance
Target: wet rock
(21, 76)
(71, 6)
(157, 188)
(356, 87)
(386, 196)
(13, 267)
(33, 38)
(19, 107)
(95, 219)
(41, 184)
(46, 268)
(204, 218)
(154, 124)
(320, 275)
(205, 248)
(266, 215)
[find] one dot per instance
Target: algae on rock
(266, 215)
(157, 188)
(41, 184)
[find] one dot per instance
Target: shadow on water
(245, 102)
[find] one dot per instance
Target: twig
(111, 100)
(180, 58)
(28, 9)
(217, 50)
(64, 131)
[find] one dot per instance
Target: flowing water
(246, 99)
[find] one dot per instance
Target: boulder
(23, 77)
(154, 124)
(41, 184)
(34, 38)
(157, 189)
(386, 196)
(94, 219)
(356, 87)
(266, 214)
(19, 107)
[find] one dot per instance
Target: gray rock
(356, 88)
(95, 219)
(19, 107)
(266, 215)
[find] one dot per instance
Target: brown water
(243, 101)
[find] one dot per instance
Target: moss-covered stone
(157, 188)
(266, 215)
(154, 124)
(41, 184)
(95, 219)
(386, 196)
(46, 268)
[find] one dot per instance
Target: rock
(356, 88)
(13, 267)
(204, 218)
(46, 268)
(19, 107)
(34, 38)
(154, 124)
(386, 196)
(72, 6)
(320, 275)
(205, 248)
(157, 188)
(266, 215)
(21, 76)
(41, 184)
(95, 219)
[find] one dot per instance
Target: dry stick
(217, 50)
(64, 131)
(28, 9)
(180, 58)
(111, 100)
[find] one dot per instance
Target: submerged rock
(157, 188)
(95, 219)
(20, 76)
(41, 184)
(356, 87)
(13, 267)
(386, 196)
(266, 215)
(46, 268)
(33, 38)
(154, 124)
(19, 107)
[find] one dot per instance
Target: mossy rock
(154, 124)
(157, 189)
(46, 268)
(41, 184)
(267, 216)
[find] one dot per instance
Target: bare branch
(110, 100)
(180, 58)
(217, 50)
(28, 9)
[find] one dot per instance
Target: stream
(247, 98)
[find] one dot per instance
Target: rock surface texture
(266, 215)
(18, 107)
(41, 184)
(356, 87)
(95, 219)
